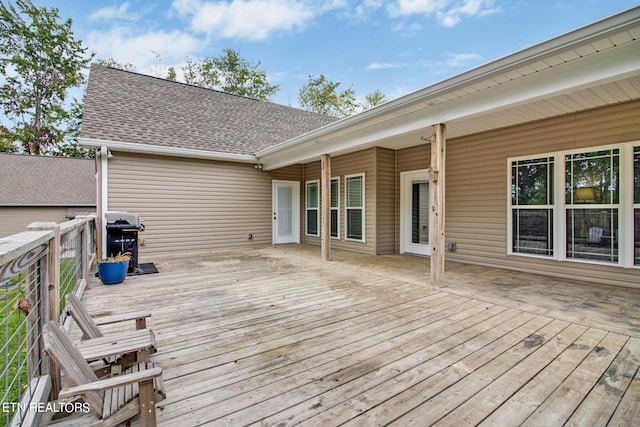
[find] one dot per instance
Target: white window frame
(307, 208)
(552, 207)
(626, 207)
(361, 208)
(335, 208)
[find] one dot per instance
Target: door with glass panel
(414, 212)
(286, 212)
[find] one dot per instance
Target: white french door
(414, 212)
(286, 212)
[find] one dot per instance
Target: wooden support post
(325, 210)
(436, 197)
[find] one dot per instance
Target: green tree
(110, 62)
(322, 96)
(373, 99)
(231, 73)
(171, 74)
(40, 61)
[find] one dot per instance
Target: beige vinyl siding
(15, 219)
(414, 158)
(341, 166)
(477, 190)
(387, 202)
(191, 205)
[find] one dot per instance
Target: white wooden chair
(113, 400)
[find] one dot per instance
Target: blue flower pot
(112, 272)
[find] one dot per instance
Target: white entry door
(414, 212)
(286, 212)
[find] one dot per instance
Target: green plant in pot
(113, 269)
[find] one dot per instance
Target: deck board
(274, 336)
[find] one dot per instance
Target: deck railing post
(51, 285)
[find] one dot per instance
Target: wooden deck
(274, 336)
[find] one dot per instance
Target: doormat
(144, 268)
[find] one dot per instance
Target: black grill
(122, 235)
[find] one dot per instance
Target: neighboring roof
(46, 181)
(591, 67)
(130, 108)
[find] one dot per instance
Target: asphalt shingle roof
(122, 106)
(46, 181)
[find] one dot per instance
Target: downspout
(104, 197)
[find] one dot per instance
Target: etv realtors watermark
(68, 407)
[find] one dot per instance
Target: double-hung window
(335, 208)
(312, 208)
(581, 205)
(593, 205)
(532, 206)
(354, 207)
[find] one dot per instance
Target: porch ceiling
(594, 66)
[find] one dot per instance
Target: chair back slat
(85, 322)
(60, 348)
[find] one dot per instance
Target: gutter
(167, 151)
(581, 36)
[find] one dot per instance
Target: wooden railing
(38, 267)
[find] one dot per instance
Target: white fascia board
(600, 68)
(167, 151)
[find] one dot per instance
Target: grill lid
(123, 220)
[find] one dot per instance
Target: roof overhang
(591, 67)
(167, 151)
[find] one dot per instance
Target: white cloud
(447, 12)
(125, 46)
(112, 13)
(252, 19)
(382, 66)
(461, 59)
(452, 61)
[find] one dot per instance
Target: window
(592, 204)
(579, 205)
(313, 220)
(636, 204)
(532, 210)
(354, 207)
(335, 208)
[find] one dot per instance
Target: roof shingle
(122, 106)
(46, 181)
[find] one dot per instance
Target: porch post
(325, 210)
(436, 197)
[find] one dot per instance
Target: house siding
(16, 219)
(387, 202)
(191, 205)
(477, 188)
(341, 166)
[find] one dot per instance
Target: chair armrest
(105, 384)
(116, 344)
(116, 318)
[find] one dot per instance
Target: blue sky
(396, 46)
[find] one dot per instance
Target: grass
(14, 375)
(13, 364)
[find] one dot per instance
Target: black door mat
(144, 268)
